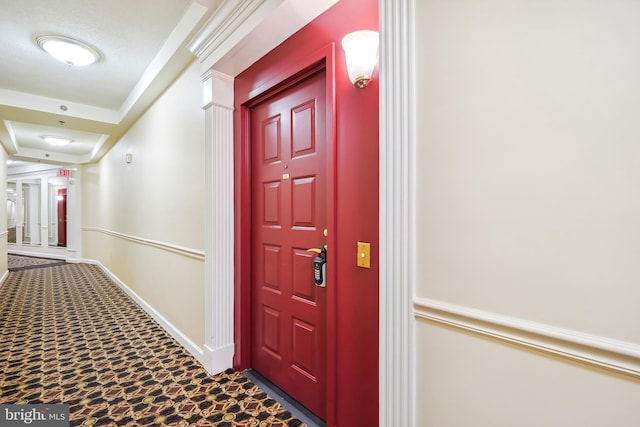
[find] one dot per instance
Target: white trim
(219, 273)
(4, 234)
(226, 28)
(606, 353)
(219, 359)
(4, 278)
(181, 250)
(397, 213)
(189, 345)
(46, 255)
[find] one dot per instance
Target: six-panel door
(288, 217)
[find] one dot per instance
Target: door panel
(288, 217)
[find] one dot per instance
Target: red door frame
(292, 72)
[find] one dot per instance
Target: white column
(74, 217)
(19, 212)
(397, 213)
(44, 212)
(32, 212)
(219, 211)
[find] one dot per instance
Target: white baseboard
(4, 278)
(619, 356)
(37, 254)
(220, 359)
(182, 339)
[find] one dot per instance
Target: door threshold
(292, 405)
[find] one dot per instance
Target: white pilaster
(74, 216)
(19, 212)
(219, 246)
(44, 212)
(397, 213)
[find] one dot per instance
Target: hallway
(158, 205)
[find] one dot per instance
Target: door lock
(320, 266)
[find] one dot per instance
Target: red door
(288, 217)
(62, 217)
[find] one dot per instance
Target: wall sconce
(128, 157)
(361, 51)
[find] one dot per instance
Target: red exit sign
(64, 172)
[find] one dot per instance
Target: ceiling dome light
(68, 50)
(58, 141)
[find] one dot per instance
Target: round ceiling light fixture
(58, 141)
(68, 50)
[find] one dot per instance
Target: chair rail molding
(181, 250)
(619, 356)
(397, 213)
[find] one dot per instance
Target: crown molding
(227, 26)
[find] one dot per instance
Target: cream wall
(528, 207)
(3, 216)
(152, 209)
(465, 380)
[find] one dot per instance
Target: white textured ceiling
(127, 33)
(144, 44)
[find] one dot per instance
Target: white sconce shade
(361, 51)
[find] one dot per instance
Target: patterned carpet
(69, 335)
